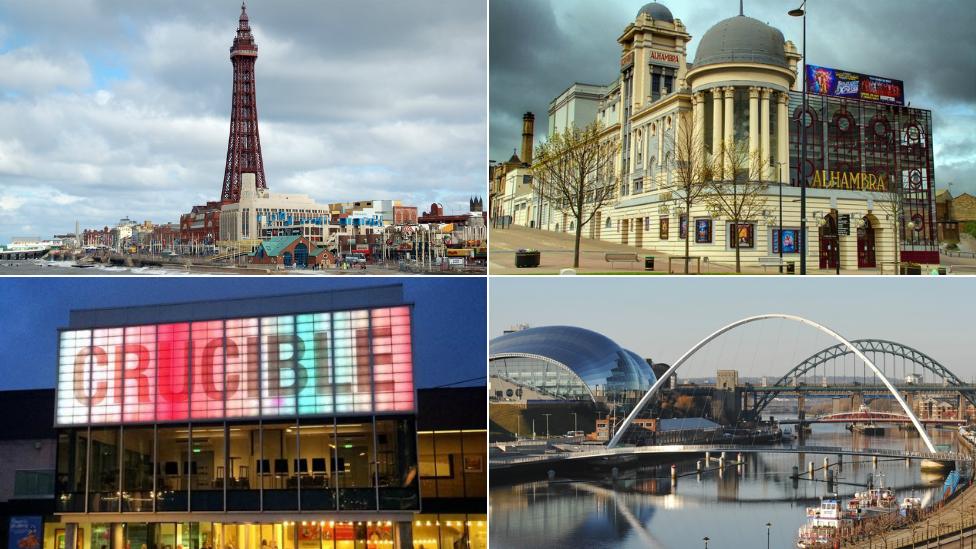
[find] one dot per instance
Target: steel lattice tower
(244, 143)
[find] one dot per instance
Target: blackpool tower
(244, 143)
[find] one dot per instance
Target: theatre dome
(568, 361)
(657, 11)
(741, 39)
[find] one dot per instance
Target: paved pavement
(557, 254)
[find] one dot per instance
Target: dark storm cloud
(539, 47)
(121, 108)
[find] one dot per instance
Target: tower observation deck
(244, 142)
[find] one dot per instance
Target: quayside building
(865, 157)
(288, 422)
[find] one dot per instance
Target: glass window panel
(396, 458)
(171, 468)
(72, 452)
(317, 464)
(242, 363)
(278, 354)
(173, 347)
(207, 468)
(355, 476)
(139, 373)
(474, 464)
(207, 400)
(74, 376)
(315, 396)
(137, 469)
(243, 460)
(103, 471)
(279, 453)
(106, 402)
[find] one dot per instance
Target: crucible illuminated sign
(344, 362)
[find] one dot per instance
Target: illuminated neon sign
(343, 362)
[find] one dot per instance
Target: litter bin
(648, 262)
(790, 267)
(527, 258)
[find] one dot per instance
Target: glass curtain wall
(317, 464)
(171, 468)
(243, 459)
(72, 458)
(396, 458)
(207, 468)
(137, 469)
(279, 480)
(354, 464)
(103, 471)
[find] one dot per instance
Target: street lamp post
(574, 423)
(768, 525)
(779, 238)
(705, 539)
(547, 425)
(802, 12)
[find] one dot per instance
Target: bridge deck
(498, 462)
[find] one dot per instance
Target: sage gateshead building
(288, 422)
(565, 363)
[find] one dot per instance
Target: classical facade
(867, 166)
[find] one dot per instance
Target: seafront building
(868, 161)
(288, 421)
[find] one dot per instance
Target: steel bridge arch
(884, 346)
(847, 344)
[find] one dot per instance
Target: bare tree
(735, 195)
(691, 171)
(892, 203)
(574, 172)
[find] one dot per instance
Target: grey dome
(657, 11)
(741, 39)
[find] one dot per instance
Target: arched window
(607, 225)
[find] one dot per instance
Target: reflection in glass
(355, 451)
(317, 464)
(244, 451)
(279, 481)
(103, 471)
(207, 468)
(137, 469)
(72, 452)
(171, 464)
(396, 456)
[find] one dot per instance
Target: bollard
(723, 455)
(721, 461)
(874, 461)
(674, 475)
(551, 474)
(708, 459)
(810, 469)
(698, 466)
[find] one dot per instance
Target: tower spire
(244, 142)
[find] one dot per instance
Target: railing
(702, 448)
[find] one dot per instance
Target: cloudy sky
(538, 48)
(112, 108)
(663, 324)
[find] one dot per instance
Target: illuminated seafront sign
(342, 362)
(838, 83)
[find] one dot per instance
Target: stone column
(753, 132)
(717, 130)
(783, 136)
(729, 125)
(764, 133)
(698, 135)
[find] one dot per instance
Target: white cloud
(11, 203)
(27, 70)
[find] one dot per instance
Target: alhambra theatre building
(865, 150)
(287, 422)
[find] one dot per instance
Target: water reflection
(641, 508)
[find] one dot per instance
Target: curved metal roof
(657, 11)
(741, 39)
(595, 358)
